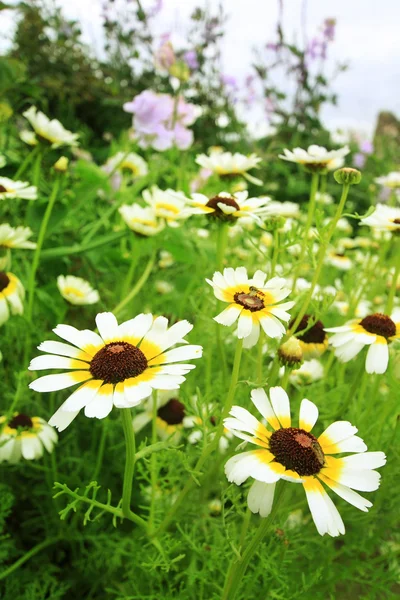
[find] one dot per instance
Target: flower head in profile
(229, 207)
(312, 337)
(12, 294)
(226, 164)
(131, 163)
(170, 415)
(294, 454)
(252, 302)
(376, 331)
(16, 189)
(24, 436)
(142, 220)
(49, 131)
(76, 290)
(119, 366)
(384, 218)
(316, 158)
(391, 180)
(167, 204)
(15, 237)
(310, 371)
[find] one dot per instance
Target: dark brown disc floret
(314, 335)
(21, 421)
(379, 324)
(173, 412)
(228, 201)
(297, 450)
(2, 189)
(118, 361)
(4, 281)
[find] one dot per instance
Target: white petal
(367, 460)
(260, 498)
(189, 352)
(107, 325)
(347, 494)
(336, 432)
(53, 383)
(48, 361)
(377, 358)
(101, 405)
(229, 315)
(82, 396)
(263, 405)
(272, 327)
(348, 351)
(69, 333)
(362, 480)
(320, 510)
(31, 447)
(281, 405)
(351, 444)
(136, 327)
(308, 415)
(60, 348)
(61, 418)
(248, 464)
(166, 382)
(252, 339)
(135, 392)
(245, 325)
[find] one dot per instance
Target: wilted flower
(50, 131)
(16, 189)
(120, 367)
(24, 436)
(76, 290)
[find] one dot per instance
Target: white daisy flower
(132, 163)
(323, 198)
(252, 302)
(313, 340)
(226, 164)
(24, 436)
(50, 131)
(375, 331)
(384, 218)
(77, 290)
(15, 237)
(12, 294)
(362, 309)
(120, 367)
(166, 259)
(391, 180)
(274, 208)
(163, 287)
(16, 189)
(338, 260)
(317, 158)
(294, 454)
(310, 371)
(167, 204)
(170, 415)
(206, 422)
(142, 220)
(229, 207)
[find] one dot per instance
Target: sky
(367, 37)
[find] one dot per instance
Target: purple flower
(229, 81)
(359, 160)
(367, 147)
(329, 29)
(190, 58)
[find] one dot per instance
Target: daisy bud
(274, 223)
(347, 175)
(290, 353)
(61, 165)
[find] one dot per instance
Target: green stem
(285, 378)
(310, 218)
(320, 261)
(100, 450)
(28, 556)
(275, 252)
(153, 463)
(26, 163)
(207, 450)
(139, 284)
(393, 287)
(129, 461)
(222, 239)
(260, 358)
(80, 249)
(36, 256)
(239, 566)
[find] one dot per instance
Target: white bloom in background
(252, 302)
(132, 162)
(317, 158)
(323, 198)
(274, 208)
(313, 339)
(202, 233)
(15, 237)
(16, 189)
(77, 290)
(362, 309)
(294, 454)
(48, 130)
(338, 260)
(141, 220)
(340, 137)
(228, 207)
(206, 422)
(170, 415)
(163, 287)
(24, 436)
(310, 371)
(12, 294)
(342, 225)
(391, 180)
(167, 204)
(375, 331)
(29, 137)
(226, 164)
(384, 218)
(119, 367)
(166, 259)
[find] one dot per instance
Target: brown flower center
(4, 281)
(228, 201)
(379, 324)
(172, 412)
(21, 422)
(297, 450)
(397, 221)
(314, 335)
(2, 189)
(118, 361)
(252, 302)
